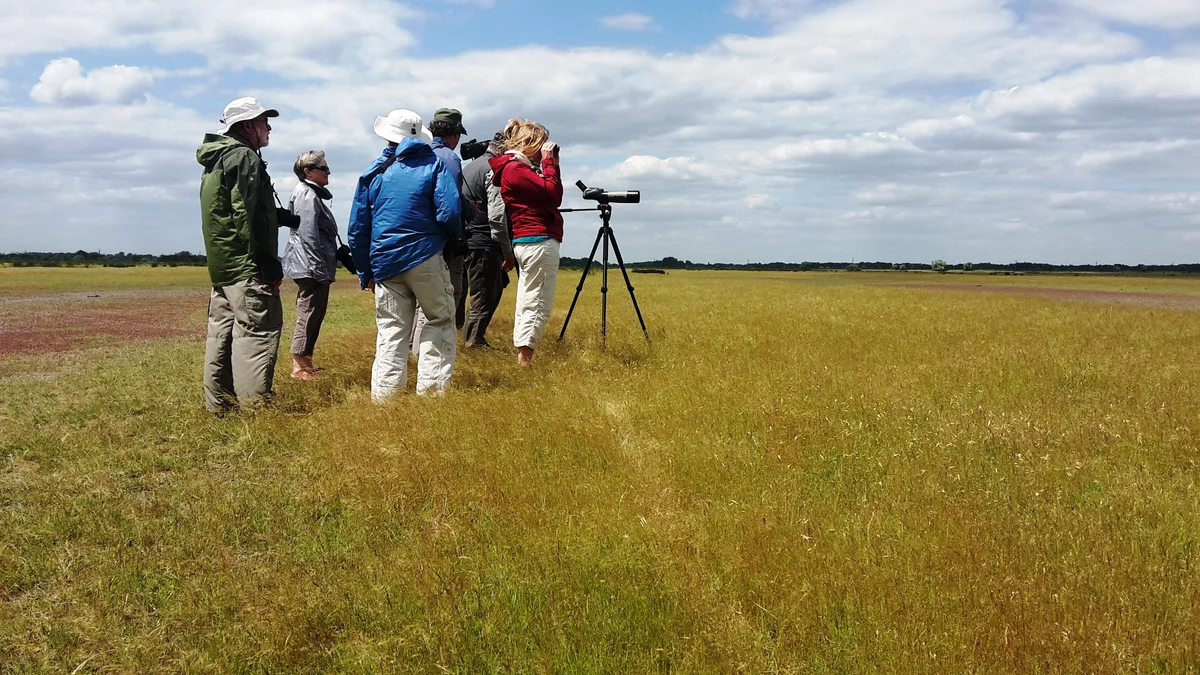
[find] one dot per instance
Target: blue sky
(1062, 130)
(683, 26)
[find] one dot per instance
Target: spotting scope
(609, 196)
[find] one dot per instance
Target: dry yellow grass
(803, 473)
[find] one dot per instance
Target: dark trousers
(485, 281)
(312, 299)
(458, 279)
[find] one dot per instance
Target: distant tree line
(671, 263)
(182, 258)
(97, 259)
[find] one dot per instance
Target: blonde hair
(525, 136)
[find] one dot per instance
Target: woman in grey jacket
(310, 257)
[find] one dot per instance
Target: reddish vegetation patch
(61, 323)
(1161, 300)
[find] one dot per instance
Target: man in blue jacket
(406, 208)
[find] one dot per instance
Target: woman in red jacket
(532, 195)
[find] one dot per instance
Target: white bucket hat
(402, 124)
(242, 109)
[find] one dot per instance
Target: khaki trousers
(458, 279)
(244, 324)
(395, 314)
(312, 299)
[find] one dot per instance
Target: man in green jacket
(241, 239)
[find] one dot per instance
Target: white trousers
(535, 290)
(395, 308)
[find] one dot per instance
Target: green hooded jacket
(237, 213)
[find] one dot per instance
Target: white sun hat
(402, 124)
(242, 109)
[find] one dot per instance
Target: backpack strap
(379, 170)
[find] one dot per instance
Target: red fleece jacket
(531, 200)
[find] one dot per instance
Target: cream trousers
(535, 290)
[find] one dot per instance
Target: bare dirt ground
(1158, 300)
(58, 323)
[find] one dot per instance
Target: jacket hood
(498, 163)
(213, 147)
(413, 148)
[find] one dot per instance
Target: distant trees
(83, 258)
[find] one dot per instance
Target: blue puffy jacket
(403, 216)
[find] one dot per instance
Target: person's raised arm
(550, 176)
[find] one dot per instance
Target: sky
(1062, 131)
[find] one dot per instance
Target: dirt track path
(51, 324)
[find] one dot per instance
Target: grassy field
(803, 473)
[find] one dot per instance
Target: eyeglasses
(319, 168)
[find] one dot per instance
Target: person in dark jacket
(310, 257)
(406, 209)
(532, 195)
(241, 239)
(489, 254)
(447, 129)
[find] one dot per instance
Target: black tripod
(606, 235)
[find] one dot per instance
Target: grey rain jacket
(488, 229)
(311, 251)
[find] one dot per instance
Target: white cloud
(640, 167)
(1100, 95)
(770, 10)
(292, 38)
(760, 202)
(628, 21)
(64, 82)
(891, 194)
(1135, 152)
(1170, 14)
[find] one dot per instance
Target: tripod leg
(606, 234)
(579, 288)
(621, 262)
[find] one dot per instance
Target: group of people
(425, 234)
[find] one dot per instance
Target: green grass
(802, 473)
(19, 281)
